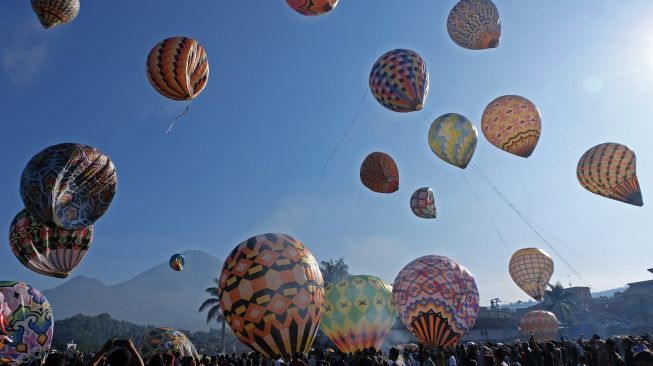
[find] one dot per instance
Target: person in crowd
(394, 357)
(55, 359)
(118, 352)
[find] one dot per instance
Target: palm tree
(560, 303)
(333, 270)
(215, 313)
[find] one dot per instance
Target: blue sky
(283, 88)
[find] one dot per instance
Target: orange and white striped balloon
(178, 68)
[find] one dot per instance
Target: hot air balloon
(380, 173)
(609, 170)
(165, 341)
(177, 262)
(68, 185)
(452, 137)
(312, 7)
(531, 269)
(399, 81)
(29, 325)
(178, 68)
(543, 325)
(513, 124)
(474, 24)
(272, 294)
(437, 299)
(50, 251)
(51, 13)
(423, 204)
(358, 312)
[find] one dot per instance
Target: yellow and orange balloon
(609, 170)
(178, 68)
(531, 269)
(513, 124)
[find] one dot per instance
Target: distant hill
(609, 293)
(159, 296)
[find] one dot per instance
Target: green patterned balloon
(358, 312)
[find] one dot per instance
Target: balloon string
(487, 215)
(175, 120)
(351, 124)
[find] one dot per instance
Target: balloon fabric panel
(513, 124)
(54, 12)
(453, 138)
(474, 24)
(358, 312)
(50, 251)
(437, 299)
(609, 170)
(272, 294)
(399, 81)
(68, 185)
(531, 269)
(30, 324)
(312, 7)
(178, 68)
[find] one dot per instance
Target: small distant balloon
(474, 24)
(50, 251)
(51, 13)
(178, 68)
(543, 325)
(399, 81)
(531, 269)
(609, 170)
(312, 7)
(452, 137)
(513, 124)
(177, 262)
(422, 203)
(379, 173)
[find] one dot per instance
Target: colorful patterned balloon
(474, 24)
(68, 185)
(423, 204)
(399, 81)
(452, 137)
(513, 124)
(30, 324)
(379, 173)
(50, 251)
(178, 68)
(609, 170)
(531, 269)
(543, 325)
(177, 262)
(358, 312)
(51, 13)
(312, 7)
(165, 341)
(437, 299)
(272, 294)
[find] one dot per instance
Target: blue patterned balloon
(474, 24)
(399, 81)
(453, 138)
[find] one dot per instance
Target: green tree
(333, 270)
(214, 311)
(559, 302)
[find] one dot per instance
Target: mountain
(159, 296)
(608, 293)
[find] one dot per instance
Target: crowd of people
(617, 351)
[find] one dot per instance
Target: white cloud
(24, 53)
